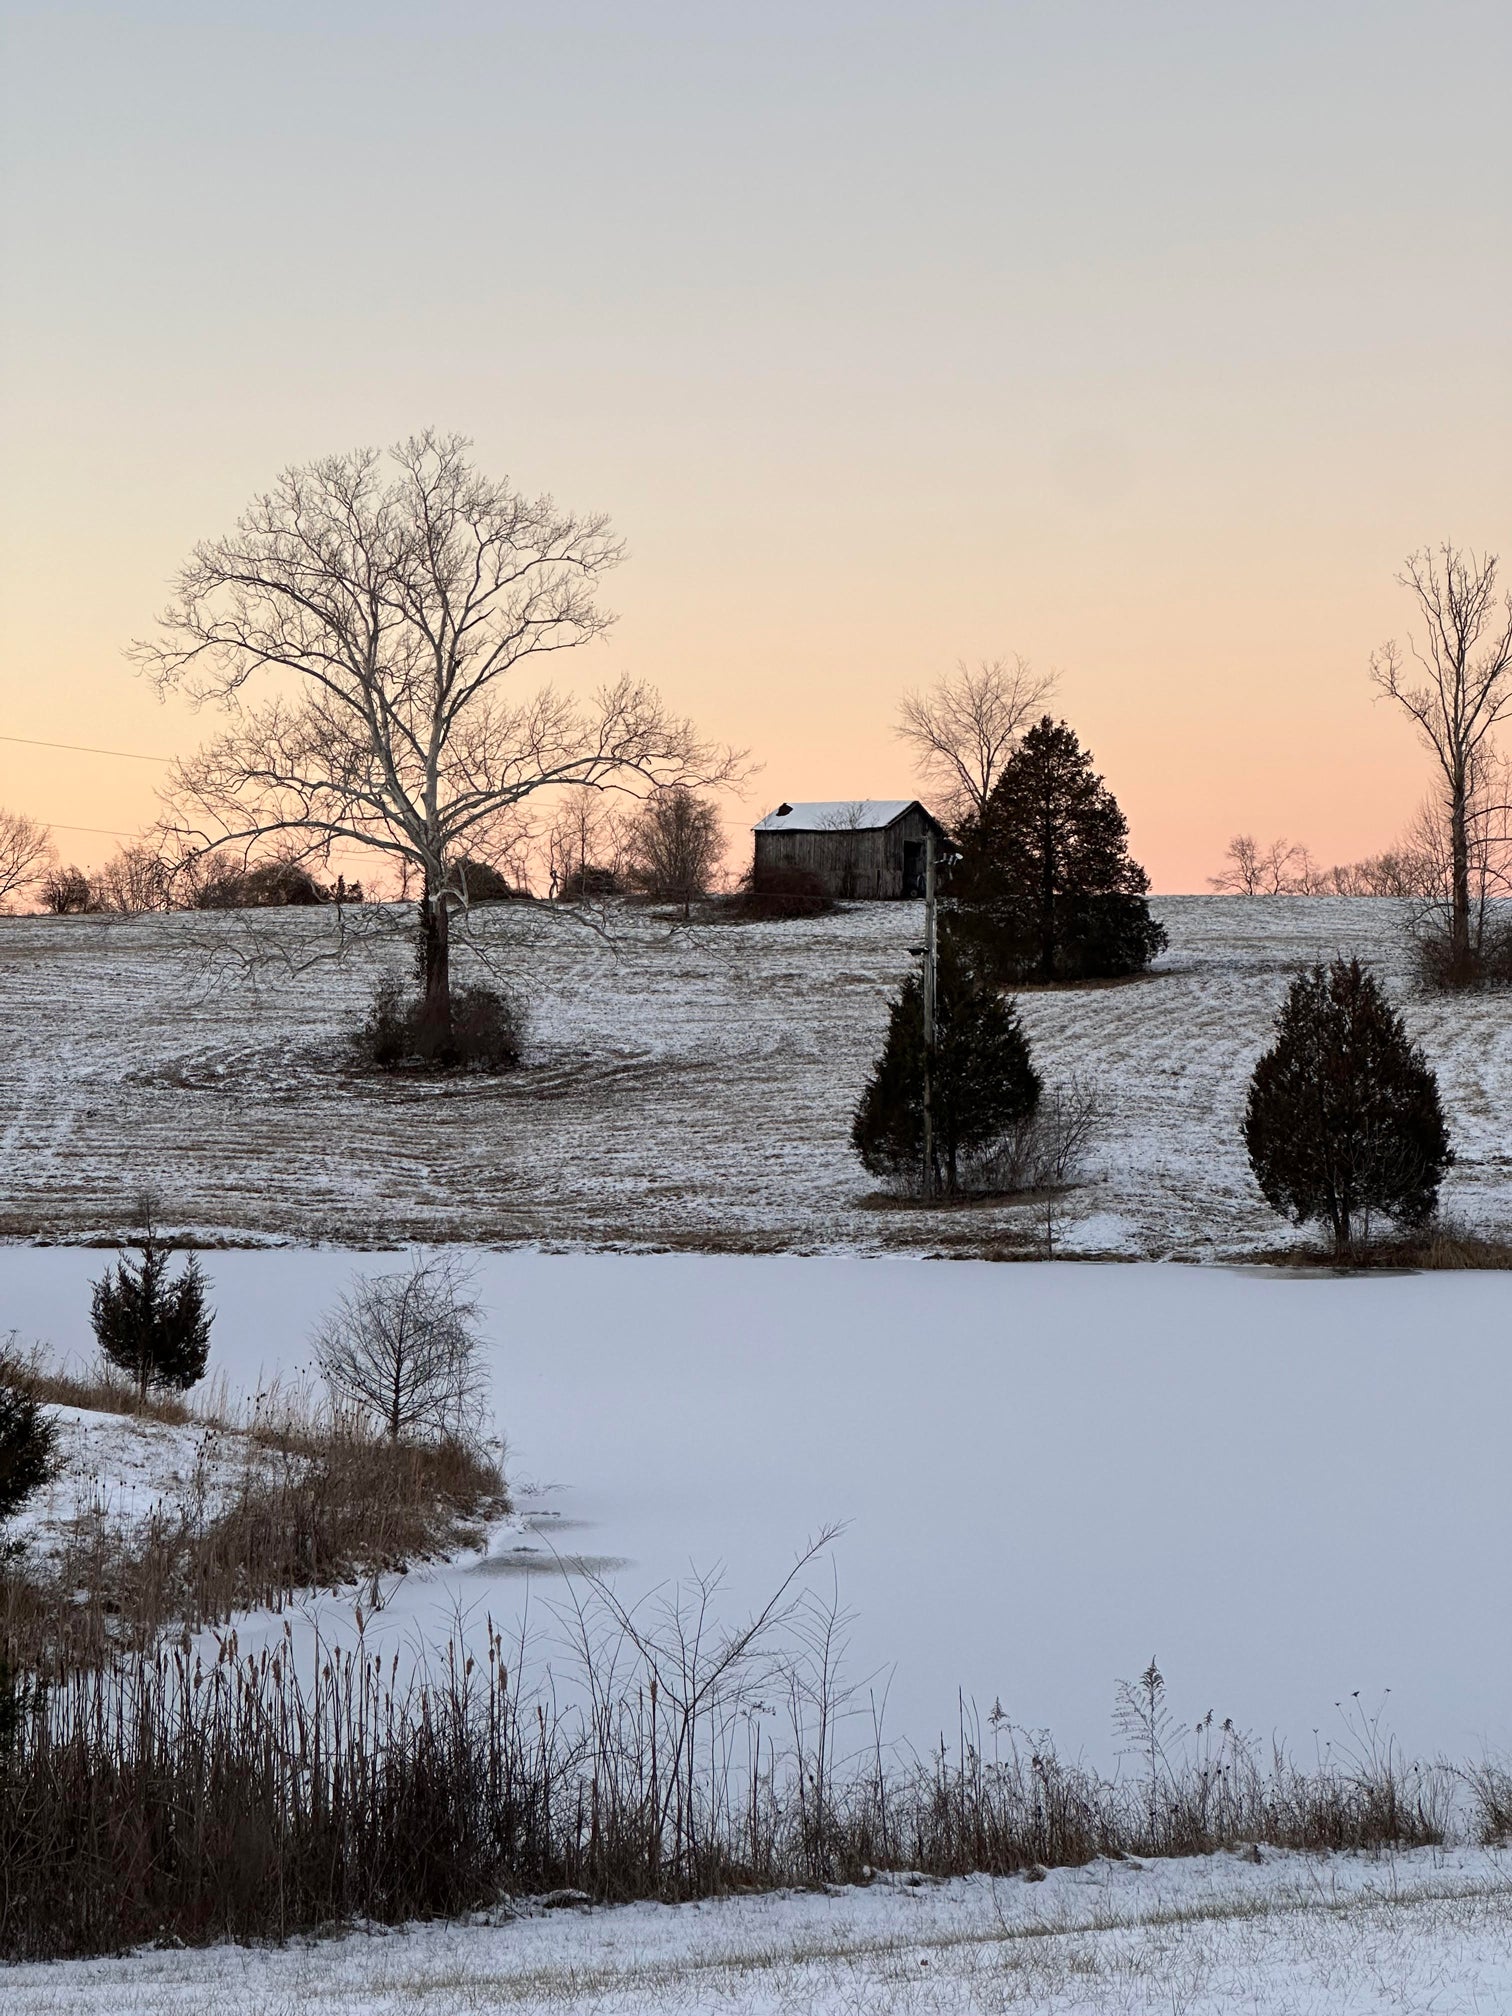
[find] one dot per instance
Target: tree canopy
(154, 1328)
(1044, 887)
(1343, 1121)
(982, 1080)
(388, 602)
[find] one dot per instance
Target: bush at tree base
(1043, 887)
(1343, 1122)
(982, 1082)
(155, 1329)
(487, 1031)
(1486, 961)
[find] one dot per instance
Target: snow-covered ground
(688, 1089)
(1287, 1488)
(115, 1468)
(1219, 1936)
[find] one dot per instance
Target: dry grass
(319, 1502)
(1443, 1247)
(145, 1795)
(102, 1390)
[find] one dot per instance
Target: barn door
(913, 867)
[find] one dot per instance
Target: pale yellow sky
(1145, 340)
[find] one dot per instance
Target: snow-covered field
(687, 1089)
(1286, 1487)
(1218, 1936)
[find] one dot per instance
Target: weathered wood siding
(860, 865)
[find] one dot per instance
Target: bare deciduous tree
(964, 728)
(68, 892)
(1281, 869)
(672, 846)
(405, 1349)
(26, 854)
(135, 879)
(395, 602)
(584, 847)
(1460, 690)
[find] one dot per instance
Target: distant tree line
(140, 878)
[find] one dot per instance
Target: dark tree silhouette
(154, 1328)
(28, 1440)
(982, 1080)
(1343, 1121)
(1044, 887)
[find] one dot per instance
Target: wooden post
(929, 1012)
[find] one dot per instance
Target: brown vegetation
(320, 1502)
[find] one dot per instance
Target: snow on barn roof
(835, 815)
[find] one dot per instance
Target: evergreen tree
(981, 1083)
(28, 1439)
(1044, 887)
(154, 1328)
(1343, 1121)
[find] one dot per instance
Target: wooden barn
(864, 847)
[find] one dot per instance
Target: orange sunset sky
(1145, 340)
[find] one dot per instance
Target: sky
(1143, 339)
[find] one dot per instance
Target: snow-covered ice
(1288, 1488)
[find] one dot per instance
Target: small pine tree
(1044, 887)
(28, 1440)
(149, 1326)
(981, 1084)
(1343, 1121)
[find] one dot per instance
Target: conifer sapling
(982, 1080)
(1343, 1121)
(152, 1327)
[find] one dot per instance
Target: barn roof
(837, 815)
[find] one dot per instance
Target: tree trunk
(435, 960)
(1459, 848)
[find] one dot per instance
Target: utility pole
(929, 1011)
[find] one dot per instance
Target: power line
(110, 832)
(84, 749)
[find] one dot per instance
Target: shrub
(772, 894)
(589, 885)
(487, 1031)
(154, 1329)
(982, 1082)
(1343, 1121)
(28, 1439)
(1044, 1150)
(481, 882)
(268, 886)
(1485, 962)
(68, 892)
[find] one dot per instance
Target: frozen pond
(1287, 1489)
